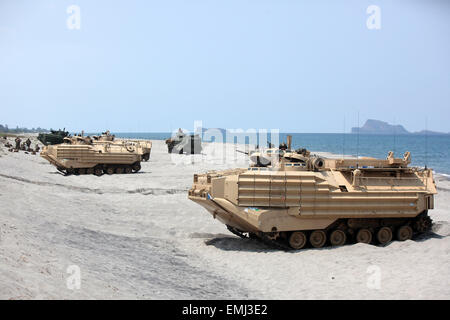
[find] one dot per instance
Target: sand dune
(139, 237)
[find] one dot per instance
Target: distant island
(380, 127)
(6, 129)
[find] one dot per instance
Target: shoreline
(444, 176)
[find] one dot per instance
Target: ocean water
(432, 151)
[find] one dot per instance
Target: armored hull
(93, 158)
(143, 147)
(321, 201)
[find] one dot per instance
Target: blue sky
(297, 66)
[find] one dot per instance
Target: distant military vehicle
(264, 157)
(79, 155)
(105, 136)
(54, 137)
(183, 143)
(143, 146)
(305, 200)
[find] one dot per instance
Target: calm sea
(433, 151)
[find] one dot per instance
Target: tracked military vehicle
(265, 157)
(305, 200)
(184, 143)
(54, 137)
(143, 146)
(80, 155)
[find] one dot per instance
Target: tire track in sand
(143, 191)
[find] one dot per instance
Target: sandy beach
(138, 236)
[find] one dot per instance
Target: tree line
(5, 128)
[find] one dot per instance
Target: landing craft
(80, 155)
(143, 146)
(305, 200)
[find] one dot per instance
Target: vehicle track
(143, 191)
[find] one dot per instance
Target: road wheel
(297, 240)
(109, 170)
(338, 238)
(136, 167)
(119, 170)
(82, 171)
(404, 233)
(90, 170)
(98, 171)
(318, 238)
(364, 236)
(384, 235)
(128, 169)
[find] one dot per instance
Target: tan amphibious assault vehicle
(81, 155)
(301, 200)
(143, 146)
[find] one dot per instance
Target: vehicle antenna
(395, 135)
(357, 144)
(343, 140)
(426, 142)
